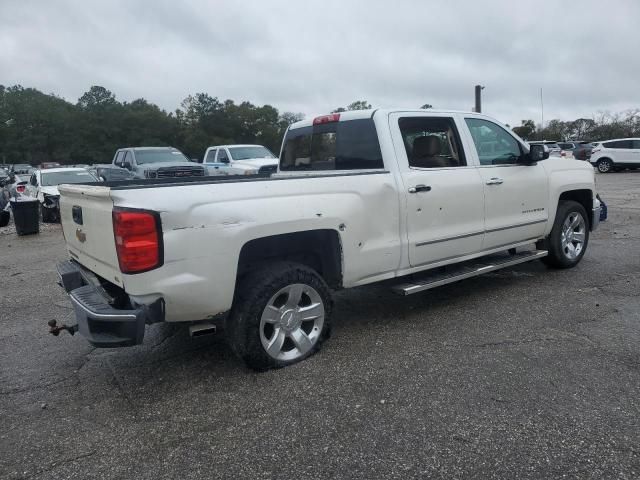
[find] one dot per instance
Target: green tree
(357, 105)
(526, 129)
(97, 96)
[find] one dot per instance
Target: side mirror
(127, 165)
(537, 152)
(224, 160)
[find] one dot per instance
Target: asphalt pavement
(522, 373)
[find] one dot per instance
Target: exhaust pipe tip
(202, 329)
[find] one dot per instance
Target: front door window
(495, 146)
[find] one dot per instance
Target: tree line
(36, 127)
(604, 126)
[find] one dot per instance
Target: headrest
(428, 146)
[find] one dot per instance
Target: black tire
(45, 215)
(4, 218)
(558, 257)
(253, 293)
(604, 165)
(49, 215)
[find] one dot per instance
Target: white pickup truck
(239, 160)
(423, 197)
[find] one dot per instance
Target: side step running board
(471, 268)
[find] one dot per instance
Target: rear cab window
(338, 145)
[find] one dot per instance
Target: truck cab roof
(237, 145)
(370, 113)
(147, 148)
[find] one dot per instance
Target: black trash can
(26, 216)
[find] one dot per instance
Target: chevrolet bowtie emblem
(80, 235)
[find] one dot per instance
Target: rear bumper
(99, 321)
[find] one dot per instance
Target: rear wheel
(281, 316)
(48, 215)
(44, 215)
(569, 236)
(604, 165)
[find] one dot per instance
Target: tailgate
(85, 214)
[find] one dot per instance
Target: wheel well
(583, 197)
(605, 158)
(317, 249)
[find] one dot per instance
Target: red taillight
(21, 188)
(334, 117)
(138, 243)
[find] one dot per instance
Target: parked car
(577, 150)
(359, 197)
(618, 154)
(45, 165)
(240, 160)
(11, 186)
(157, 162)
(43, 185)
(21, 168)
(108, 172)
(554, 148)
(5, 196)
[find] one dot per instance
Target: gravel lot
(525, 373)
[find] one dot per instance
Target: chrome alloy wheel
(292, 321)
(604, 166)
(573, 235)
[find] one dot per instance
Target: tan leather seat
(426, 153)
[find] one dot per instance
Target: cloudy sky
(312, 57)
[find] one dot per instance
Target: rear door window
(211, 156)
(118, 160)
(431, 142)
(222, 155)
(624, 144)
(347, 145)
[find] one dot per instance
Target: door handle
(420, 188)
(495, 181)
